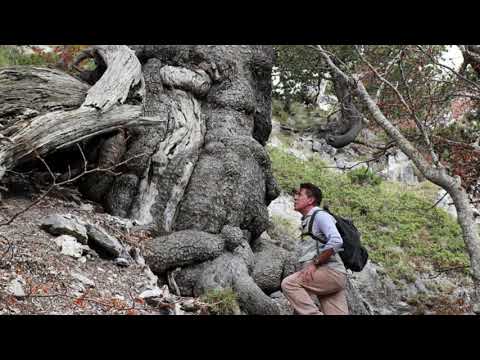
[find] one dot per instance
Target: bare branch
(453, 71)
(386, 72)
(325, 54)
(383, 148)
(409, 109)
(83, 158)
(8, 222)
(69, 180)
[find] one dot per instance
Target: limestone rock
(83, 279)
(65, 225)
(16, 287)
(70, 246)
(103, 242)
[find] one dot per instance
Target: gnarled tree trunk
(200, 178)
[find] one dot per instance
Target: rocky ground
(41, 273)
(46, 268)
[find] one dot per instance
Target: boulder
(65, 225)
(104, 243)
(70, 246)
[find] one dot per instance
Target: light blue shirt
(324, 228)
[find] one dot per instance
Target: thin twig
(456, 73)
(83, 157)
(387, 70)
(8, 222)
(407, 107)
(58, 185)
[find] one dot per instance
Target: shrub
(364, 176)
(12, 56)
(221, 301)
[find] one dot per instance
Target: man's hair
(312, 191)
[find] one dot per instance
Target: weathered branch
(350, 114)
(122, 79)
(105, 107)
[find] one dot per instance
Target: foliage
(12, 56)
(221, 301)
(453, 143)
(389, 216)
(364, 176)
(299, 116)
(296, 67)
(429, 91)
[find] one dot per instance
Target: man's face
(302, 200)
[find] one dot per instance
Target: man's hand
(323, 257)
(307, 273)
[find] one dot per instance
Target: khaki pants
(327, 284)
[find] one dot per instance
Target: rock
(83, 279)
(283, 207)
(104, 243)
(122, 262)
(321, 146)
(419, 284)
(152, 279)
(476, 309)
(82, 260)
(378, 292)
(276, 295)
(87, 207)
(282, 303)
(150, 293)
(233, 236)
(70, 246)
(402, 306)
(65, 225)
(190, 305)
(272, 264)
(400, 168)
(137, 257)
(16, 287)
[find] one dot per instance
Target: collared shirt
(324, 228)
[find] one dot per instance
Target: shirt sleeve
(325, 223)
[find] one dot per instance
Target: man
(322, 271)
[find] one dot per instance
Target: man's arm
(324, 224)
(323, 257)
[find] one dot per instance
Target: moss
(389, 215)
(221, 301)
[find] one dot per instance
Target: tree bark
(351, 122)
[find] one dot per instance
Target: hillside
(410, 240)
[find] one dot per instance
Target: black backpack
(354, 255)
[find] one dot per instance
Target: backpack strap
(310, 226)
